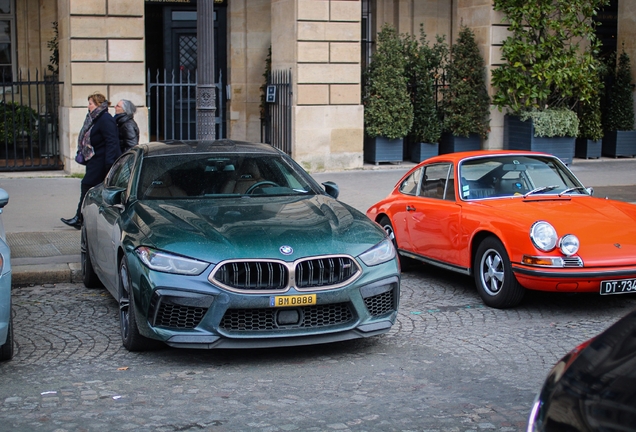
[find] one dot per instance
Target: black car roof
(158, 148)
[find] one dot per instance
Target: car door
(108, 231)
(433, 216)
(409, 189)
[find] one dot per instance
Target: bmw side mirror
(113, 196)
(4, 199)
(590, 190)
(332, 189)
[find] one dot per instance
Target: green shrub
(545, 65)
(553, 122)
(17, 121)
(466, 104)
(589, 112)
(422, 64)
(620, 113)
(388, 111)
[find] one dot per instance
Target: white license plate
(622, 286)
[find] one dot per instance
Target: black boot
(75, 222)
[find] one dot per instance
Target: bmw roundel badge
(286, 250)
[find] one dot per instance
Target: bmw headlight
(378, 254)
(569, 244)
(543, 236)
(168, 263)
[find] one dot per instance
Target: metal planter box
(381, 149)
(619, 143)
(422, 151)
(587, 148)
(453, 144)
(519, 135)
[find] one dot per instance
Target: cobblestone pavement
(449, 364)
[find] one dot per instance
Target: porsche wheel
(406, 263)
(495, 281)
(6, 350)
(89, 276)
(130, 336)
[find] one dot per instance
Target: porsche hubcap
(492, 272)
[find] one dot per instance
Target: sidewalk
(45, 251)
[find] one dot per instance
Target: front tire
(6, 350)
(496, 283)
(130, 336)
(89, 277)
(406, 263)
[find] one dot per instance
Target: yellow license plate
(293, 300)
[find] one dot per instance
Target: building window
(7, 40)
(607, 29)
(367, 33)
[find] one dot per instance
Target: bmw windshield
(222, 175)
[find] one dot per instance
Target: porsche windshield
(220, 175)
(522, 175)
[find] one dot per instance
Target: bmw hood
(217, 229)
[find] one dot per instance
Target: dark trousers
(84, 188)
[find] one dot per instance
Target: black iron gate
(276, 126)
(171, 101)
(29, 128)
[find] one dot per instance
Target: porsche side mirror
(590, 190)
(332, 189)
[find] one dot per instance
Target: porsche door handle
(409, 208)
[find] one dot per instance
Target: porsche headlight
(569, 244)
(543, 236)
(168, 263)
(378, 254)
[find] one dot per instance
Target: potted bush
(465, 104)
(18, 125)
(388, 112)
(620, 136)
(423, 65)
(550, 131)
(546, 68)
(589, 138)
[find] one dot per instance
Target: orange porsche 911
(515, 221)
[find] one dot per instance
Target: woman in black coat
(128, 130)
(99, 133)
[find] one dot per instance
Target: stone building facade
(104, 45)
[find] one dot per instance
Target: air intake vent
(253, 275)
(572, 262)
(253, 320)
(328, 271)
(380, 304)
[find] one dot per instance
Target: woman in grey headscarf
(128, 130)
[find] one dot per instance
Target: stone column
(206, 98)
(319, 40)
(101, 45)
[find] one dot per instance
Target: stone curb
(39, 274)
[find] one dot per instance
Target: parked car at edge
(514, 221)
(592, 388)
(6, 317)
(227, 244)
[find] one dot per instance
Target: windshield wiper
(572, 189)
(541, 189)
